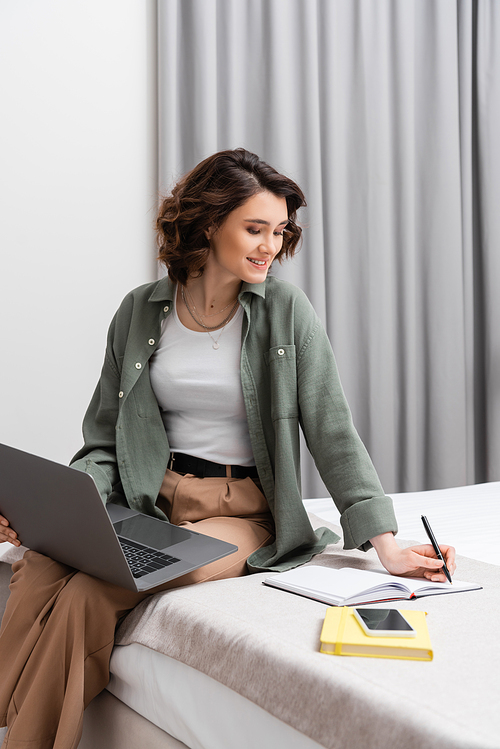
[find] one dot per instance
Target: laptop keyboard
(142, 559)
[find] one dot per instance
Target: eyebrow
(266, 223)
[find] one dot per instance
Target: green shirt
(289, 378)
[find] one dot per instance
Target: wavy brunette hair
(205, 196)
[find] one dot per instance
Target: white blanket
(263, 644)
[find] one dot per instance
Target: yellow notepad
(342, 635)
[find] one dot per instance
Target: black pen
(433, 541)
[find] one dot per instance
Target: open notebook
(347, 586)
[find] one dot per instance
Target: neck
(211, 294)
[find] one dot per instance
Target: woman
(207, 375)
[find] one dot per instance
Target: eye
(253, 231)
(278, 233)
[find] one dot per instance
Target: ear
(209, 232)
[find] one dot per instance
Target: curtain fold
(387, 114)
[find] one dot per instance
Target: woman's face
(245, 245)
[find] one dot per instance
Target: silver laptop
(57, 511)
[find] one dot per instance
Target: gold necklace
(212, 314)
(202, 324)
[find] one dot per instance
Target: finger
(13, 541)
(9, 536)
(436, 576)
(445, 549)
(7, 533)
(449, 554)
(431, 563)
(425, 550)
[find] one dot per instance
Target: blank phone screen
(384, 619)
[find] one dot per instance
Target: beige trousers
(58, 629)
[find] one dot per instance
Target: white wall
(77, 202)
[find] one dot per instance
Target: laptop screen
(149, 531)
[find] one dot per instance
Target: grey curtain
(387, 113)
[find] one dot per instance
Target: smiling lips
(260, 263)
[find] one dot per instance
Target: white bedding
(206, 714)
(194, 708)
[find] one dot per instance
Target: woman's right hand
(7, 533)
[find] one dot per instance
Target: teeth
(257, 262)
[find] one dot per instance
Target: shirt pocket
(143, 397)
(282, 365)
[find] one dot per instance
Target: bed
(235, 664)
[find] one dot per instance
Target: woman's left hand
(415, 561)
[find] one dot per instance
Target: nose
(267, 246)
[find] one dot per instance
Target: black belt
(181, 463)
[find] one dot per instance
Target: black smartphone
(384, 623)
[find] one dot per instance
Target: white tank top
(199, 391)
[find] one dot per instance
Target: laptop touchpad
(150, 532)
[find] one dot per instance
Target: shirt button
(151, 341)
(138, 365)
(166, 308)
(120, 394)
(281, 352)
